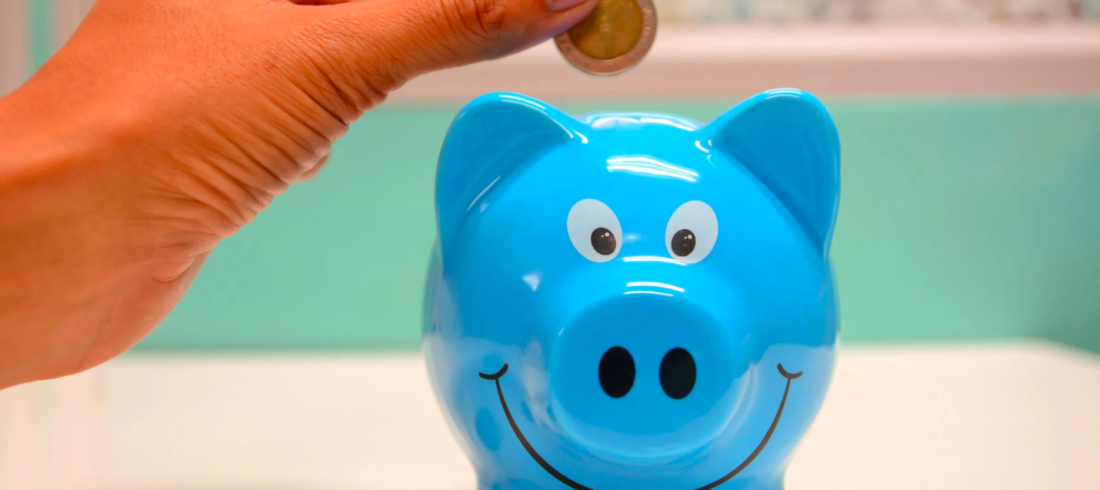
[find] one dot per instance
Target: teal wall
(960, 219)
(40, 13)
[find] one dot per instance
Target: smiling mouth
(495, 377)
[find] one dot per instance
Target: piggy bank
(633, 300)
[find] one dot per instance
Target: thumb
(388, 42)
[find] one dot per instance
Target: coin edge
(619, 64)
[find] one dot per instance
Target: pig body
(633, 300)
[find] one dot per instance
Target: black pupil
(678, 373)
(616, 372)
(683, 243)
(603, 241)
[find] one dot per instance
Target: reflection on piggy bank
(633, 301)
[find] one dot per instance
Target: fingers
(309, 174)
(560, 5)
(387, 42)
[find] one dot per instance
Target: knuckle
(330, 67)
(480, 20)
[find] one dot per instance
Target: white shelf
(1019, 416)
(728, 61)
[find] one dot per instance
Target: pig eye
(594, 230)
(691, 232)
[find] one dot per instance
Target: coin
(612, 39)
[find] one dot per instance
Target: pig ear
(491, 137)
(788, 141)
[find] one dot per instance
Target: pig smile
(495, 377)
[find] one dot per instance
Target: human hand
(164, 126)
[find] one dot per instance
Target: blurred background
(968, 242)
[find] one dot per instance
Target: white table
(1021, 415)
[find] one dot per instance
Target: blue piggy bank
(633, 301)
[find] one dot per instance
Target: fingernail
(559, 5)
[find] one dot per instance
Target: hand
(164, 126)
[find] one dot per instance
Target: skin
(164, 126)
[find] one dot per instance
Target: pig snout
(646, 373)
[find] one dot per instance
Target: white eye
(594, 230)
(691, 232)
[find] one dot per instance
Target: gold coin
(612, 39)
(610, 31)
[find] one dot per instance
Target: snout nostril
(616, 372)
(678, 373)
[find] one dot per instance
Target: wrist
(42, 132)
(56, 225)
